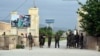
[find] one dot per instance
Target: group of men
(42, 40)
(29, 38)
(75, 40)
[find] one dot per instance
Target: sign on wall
(20, 21)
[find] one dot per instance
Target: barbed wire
(21, 5)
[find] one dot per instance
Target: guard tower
(34, 27)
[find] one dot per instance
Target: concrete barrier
(12, 42)
(1, 42)
(8, 42)
(36, 41)
(92, 43)
(24, 41)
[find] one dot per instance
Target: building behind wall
(90, 42)
(4, 27)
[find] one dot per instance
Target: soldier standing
(30, 40)
(49, 40)
(77, 40)
(81, 40)
(41, 40)
(57, 38)
(44, 39)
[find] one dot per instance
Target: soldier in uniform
(81, 40)
(30, 40)
(77, 40)
(44, 36)
(49, 40)
(41, 40)
(57, 38)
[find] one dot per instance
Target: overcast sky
(63, 12)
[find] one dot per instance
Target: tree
(46, 31)
(49, 31)
(60, 32)
(90, 13)
(43, 30)
(90, 22)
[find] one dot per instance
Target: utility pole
(34, 4)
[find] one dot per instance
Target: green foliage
(60, 32)
(47, 31)
(90, 13)
(43, 30)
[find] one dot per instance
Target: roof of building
(5, 21)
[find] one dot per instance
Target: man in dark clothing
(5, 40)
(41, 40)
(30, 40)
(70, 40)
(49, 41)
(57, 38)
(77, 40)
(81, 40)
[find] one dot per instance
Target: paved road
(36, 51)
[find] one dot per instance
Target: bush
(99, 49)
(19, 46)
